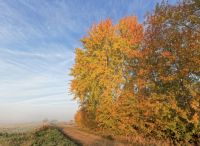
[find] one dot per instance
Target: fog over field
(20, 113)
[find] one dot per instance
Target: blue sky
(37, 42)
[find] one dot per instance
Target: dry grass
(19, 128)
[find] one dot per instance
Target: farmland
(33, 136)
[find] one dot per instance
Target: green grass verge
(48, 136)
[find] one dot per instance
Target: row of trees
(142, 79)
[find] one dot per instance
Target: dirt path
(87, 139)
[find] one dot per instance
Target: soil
(84, 138)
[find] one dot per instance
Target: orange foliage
(134, 83)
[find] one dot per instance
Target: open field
(20, 128)
(55, 134)
(32, 135)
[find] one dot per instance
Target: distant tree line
(142, 79)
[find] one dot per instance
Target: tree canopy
(130, 80)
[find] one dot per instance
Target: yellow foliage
(130, 82)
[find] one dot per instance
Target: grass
(46, 136)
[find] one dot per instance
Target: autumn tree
(172, 63)
(104, 67)
(129, 82)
